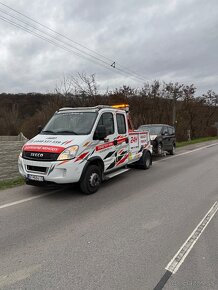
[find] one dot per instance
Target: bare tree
(79, 85)
(12, 120)
(173, 92)
(211, 101)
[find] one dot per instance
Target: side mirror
(39, 129)
(100, 133)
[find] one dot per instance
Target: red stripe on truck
(81, 156)
(121, 140)
(104, 146)
(43, 148)
(123, 159)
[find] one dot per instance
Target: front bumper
(59, 172)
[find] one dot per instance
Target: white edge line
(26, 199)
(185, 153)
(185, 255)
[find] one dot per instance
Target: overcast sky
(168, 40)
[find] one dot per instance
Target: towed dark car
(163, 137)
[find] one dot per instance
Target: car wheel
(91, 180)
(172, 151)
(160, 149)
(146, 160)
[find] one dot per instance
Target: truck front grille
(40, 156)
(36, 168)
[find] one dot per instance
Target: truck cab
(85, 145)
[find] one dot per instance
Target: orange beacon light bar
(126, 108)
(121, 106)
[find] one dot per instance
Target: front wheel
(91, 181)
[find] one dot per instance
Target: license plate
(35, 177)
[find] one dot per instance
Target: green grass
(195, 141)
(8, 183)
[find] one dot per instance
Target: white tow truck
(85, 145)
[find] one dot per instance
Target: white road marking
(27, 199)
(187, 152)
(183, 252)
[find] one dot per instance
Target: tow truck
(86, 145)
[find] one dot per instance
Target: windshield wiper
(66, 132)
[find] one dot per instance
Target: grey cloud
(171, 40)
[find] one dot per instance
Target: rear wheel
(145, 160)
(91, 181)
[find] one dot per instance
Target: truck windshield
(70, 123)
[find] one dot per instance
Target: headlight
(68, 153)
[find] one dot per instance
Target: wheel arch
(140, 161)
(93, 161)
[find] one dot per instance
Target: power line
(83, 46)
(40, 36)
(57, 44)
(50, 35)
(60, 46)
(121, 69)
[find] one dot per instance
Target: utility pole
(174, 109)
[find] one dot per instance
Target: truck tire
(145, 161)
(91, 180)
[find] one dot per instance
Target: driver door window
(107, 120)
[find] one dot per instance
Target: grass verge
(195, 141)
(8, 183)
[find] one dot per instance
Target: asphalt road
(122, 237)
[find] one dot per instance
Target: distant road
(123, 237)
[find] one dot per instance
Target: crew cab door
(122, 140)
(106, 149)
